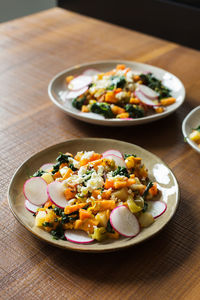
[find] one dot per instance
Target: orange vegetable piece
(154, 189)
(136, 77)
(120, 184)
(123, 115)
(117, 110)
(101, 205)
(110, 97)
(86, 225)
(131, 181)
(69, 78)
(134, 101)
(113, 235)
(48, 203)
(69, 193)
(70, 209)
(106, 194)
(68, 174)
(57, 175)
(118, 90)
(84, 108)
(84, 214)
(109, 184)
(167, 101)
(96, 193)
(62, 165)
(120, 67)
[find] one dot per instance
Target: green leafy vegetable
(122, 171)
(78, 102)
(39, 173)
(128, 155)
(102, 109)
(149, 185)
(109, 227)
(58, 233)
(156, 85)
(71, 166)
(47, 224)
(135, 111)
(58, 211)
(145, 206)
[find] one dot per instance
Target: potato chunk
(121, 194)
(146, 219)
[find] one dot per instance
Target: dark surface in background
(175, 20)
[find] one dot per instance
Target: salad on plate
(119, 93)
(93, 196)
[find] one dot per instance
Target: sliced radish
(156, 208)
(118, 160)
(55, 192)
(47, 167)
(35, 190)
(148, 92)
(31, 207)
(91, 72)
(79, 82)
(74, 94)
(112, 152)
(143, 98)
(78, 236)
(124, 222)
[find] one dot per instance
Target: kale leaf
(39, 173)
(135, 111)
(149, 185)
(102, 109)
(78, 102)
(122, 171)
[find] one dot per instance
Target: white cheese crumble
(87, 155)
(74, 162)
(121, 95)
(63, 171)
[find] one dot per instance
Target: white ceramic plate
(158, 171)
(58, 85)
(192, 120)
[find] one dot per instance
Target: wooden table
(33, 50)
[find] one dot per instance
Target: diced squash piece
(84, 108)
(72, 208)
(118, 184)
(69, 78)
(48, 204)
(86, 225)
(134, 101)
(167, 101)
(117, 109)
(195, 136)
(40, 218)
(130, 162)
(120, 67)
(102, 217)
(154, 189)
(123, 116)
(159, 110)
(109, 184)
(84, 214)
(69, 193)
(110, 97)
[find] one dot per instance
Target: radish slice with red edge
(35, 190)
(55, 192)
(75, 93)
(143, 98)
(91, 72)
(79, 82)
(118, 160)
(148, 92)
(124, 222)
(112, 152)
(77, 236)
(156, 208)
(47, 167)
(31, 207)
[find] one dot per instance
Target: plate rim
(185, 120)
(112, 122)
(82, 250)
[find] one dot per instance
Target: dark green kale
(128, 155)
(135, 111)
(102, 109)
(62, 158)
(122, 171)
(58, 233)
(69, 217)
(149, 185)
(79, 102)
(156, 85)
(71, 166)
(56, 168)
(58, 211)
(47, 224)
(109, 227)
(39, 173)
(118, 81)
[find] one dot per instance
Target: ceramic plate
(58, 85)
(192, 120)
(158, 171)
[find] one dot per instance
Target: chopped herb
(63, 158)
(58, 211)
(79, 102)
(145, 206)
(122, 171)
(135, 111)
(102, 109)
(109, 227)
(156, 85)
(128, 155)
(71, 166)
(149, 185)
(47, 224)
(39, 173)
(56, 168)
(117, 82)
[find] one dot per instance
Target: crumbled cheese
(74, 162)
(95, 182)
(63, 171)
(100, 170)
(129, 76)
(87, 155)
(121, 95)
(73, 180)
(82, 171)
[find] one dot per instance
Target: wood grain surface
(32, 50)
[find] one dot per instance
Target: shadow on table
(149, 261)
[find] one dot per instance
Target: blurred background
(174, 20)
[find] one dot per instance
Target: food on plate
(195, 135)
(93, 196)
(119, 93)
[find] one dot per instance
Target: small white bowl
(191, 121)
